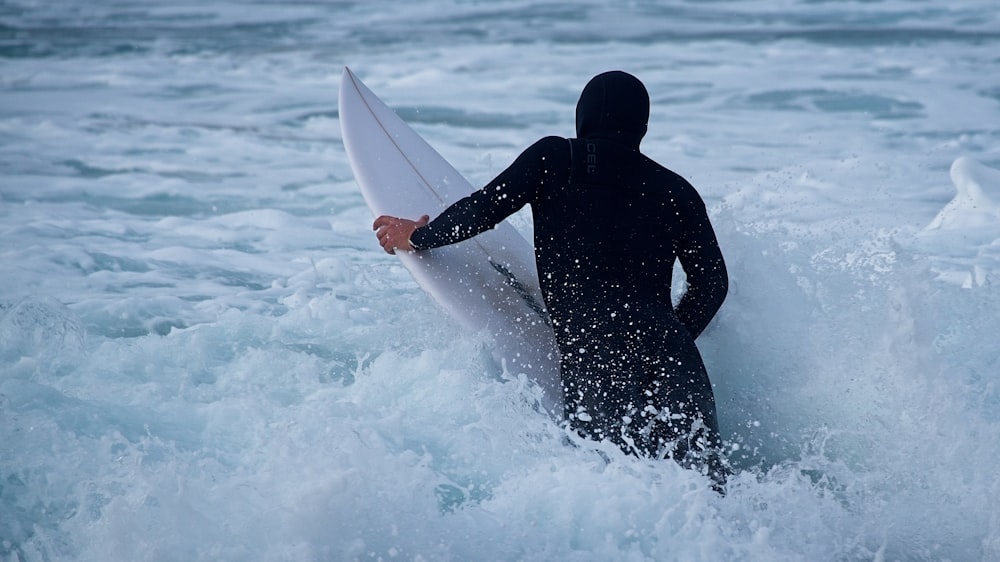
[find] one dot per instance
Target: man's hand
(394, 233)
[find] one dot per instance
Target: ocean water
(204, 355)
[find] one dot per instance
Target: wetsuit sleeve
(484, 209)
(705, 268)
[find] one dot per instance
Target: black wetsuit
(609, 224)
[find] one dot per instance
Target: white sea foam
(977, 203)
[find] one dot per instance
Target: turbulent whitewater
(204, 355)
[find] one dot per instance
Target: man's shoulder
(665, 173)
(680, 189)
(547, 147)
(551, 142)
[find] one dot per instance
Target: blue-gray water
(205, 356)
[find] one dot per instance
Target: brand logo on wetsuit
(591, 158)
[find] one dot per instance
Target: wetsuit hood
(613, 104)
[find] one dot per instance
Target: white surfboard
(488, 283)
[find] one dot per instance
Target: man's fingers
(383, 240)
(384, 220)
(394, 233)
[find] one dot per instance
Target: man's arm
(482, 210)
(705, 268)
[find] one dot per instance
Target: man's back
(611, 227)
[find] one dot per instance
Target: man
(608, 225)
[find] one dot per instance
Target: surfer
(609, 224)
